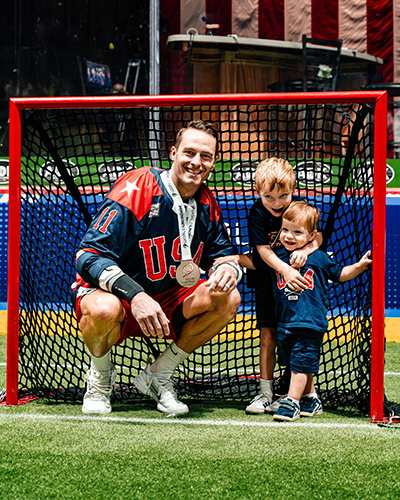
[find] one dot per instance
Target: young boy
(275, 182)
(301, 315)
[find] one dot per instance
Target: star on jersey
(130, 186)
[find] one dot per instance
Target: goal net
(73, 150)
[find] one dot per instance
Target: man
(138, 268)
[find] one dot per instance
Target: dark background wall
(43, 45)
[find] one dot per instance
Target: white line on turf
(179, 421)
(86, 367)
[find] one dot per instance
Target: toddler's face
(294, 236)
(275, 201)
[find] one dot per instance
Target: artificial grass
(64, 459)
(216, 452)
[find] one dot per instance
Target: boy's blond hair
(273, 172)
(301, 212)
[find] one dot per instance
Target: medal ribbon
(186, 212)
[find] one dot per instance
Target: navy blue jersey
(305, 309)
(264, 229)
(137, 230)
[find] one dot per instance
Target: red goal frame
(378, 98)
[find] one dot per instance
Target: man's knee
(228, 304)
(102, 308)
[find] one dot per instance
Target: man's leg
(100, 324)
(206, 314)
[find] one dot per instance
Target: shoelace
(260, 396)
(101, 384)
(167, 384)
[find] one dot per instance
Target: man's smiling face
(193, 161)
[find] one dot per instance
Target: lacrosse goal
(65, 153)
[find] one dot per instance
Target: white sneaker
(99, 386)
(160, 387)
(273, 407)
(259, 404)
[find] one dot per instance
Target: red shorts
(168, 301)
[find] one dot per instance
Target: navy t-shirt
(305, 309)
(264, 229)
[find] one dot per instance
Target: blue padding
(392, 313)
(238, 208)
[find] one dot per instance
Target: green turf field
(53, 451)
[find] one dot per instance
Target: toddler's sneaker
(259, 404)
(273, 407)
(288, 410)
(310, 407)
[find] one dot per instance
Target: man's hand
(222, 280)
(149, 315)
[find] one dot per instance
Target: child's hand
(365, 261)
(350, 272)
(294, 279)
(298, 258)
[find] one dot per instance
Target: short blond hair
(273, 172)
(301, 212)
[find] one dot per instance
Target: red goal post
(376, 98)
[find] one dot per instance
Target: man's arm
(350, 272)
(145, 309)
(103, 271)
(244, 260)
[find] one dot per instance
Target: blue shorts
(300, 349)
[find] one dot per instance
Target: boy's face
(275, 201)
(294, 236)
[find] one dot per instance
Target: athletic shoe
(99, 386)
(259, 404)
(160, 387)
(288, 410)
(273, 407)
(310, 407)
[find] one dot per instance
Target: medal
(188, 273)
